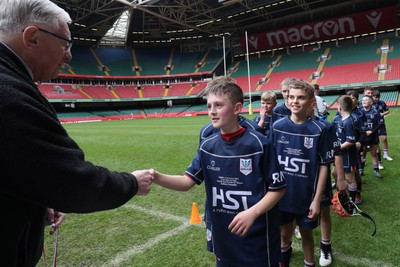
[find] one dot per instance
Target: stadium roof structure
(195, 24)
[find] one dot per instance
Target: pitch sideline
(121, 257)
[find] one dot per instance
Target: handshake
(144, 180)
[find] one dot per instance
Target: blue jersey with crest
(237, 174)
(373, 120)
(346, 131)
(301, 149)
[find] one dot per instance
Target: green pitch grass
(154, 230)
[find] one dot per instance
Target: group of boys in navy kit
(264, 177)
(378, 107)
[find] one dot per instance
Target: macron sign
(365, 22)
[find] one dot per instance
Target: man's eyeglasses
(69, 42)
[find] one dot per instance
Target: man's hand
(54, 218)
(144, 179)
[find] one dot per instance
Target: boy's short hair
(227, 86)
(288, 81)
(307, 87)
(353, 93)
(268, 96)
(376, 93)
(345, 102)
(368, 88)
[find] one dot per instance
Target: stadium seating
(119, 61)
(126, 91)
(61, 91)
(99, 92)
(390, 98)
(346, 64)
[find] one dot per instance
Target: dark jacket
(42, 167)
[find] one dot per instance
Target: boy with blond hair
(283, 110)
(243, 183)
(268, 102)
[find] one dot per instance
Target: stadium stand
(118, 60)
(83, 61)
(349, 63)
(99, 92)
(390, 98)
(61, 91)
(126, 91)
(152, 90)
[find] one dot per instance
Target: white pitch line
(343, 258)
(158, 213)
(121, 257)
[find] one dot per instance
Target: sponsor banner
(364, 22)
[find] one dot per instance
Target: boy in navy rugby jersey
(373, 122)
(359, 119)
(243, 183)
(205, 132)
(283, 110)
(346, 131)
(384, 111)
(304, 155)
(326, 200)
(264, 119)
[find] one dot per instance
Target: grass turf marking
(338, 256)
(121, 257)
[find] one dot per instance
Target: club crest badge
(246, 166)
(308, 142)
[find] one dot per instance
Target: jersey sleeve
(350, 130)
(327, 145)
(274, 176)
(195, 171)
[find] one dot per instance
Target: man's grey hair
(16, 15)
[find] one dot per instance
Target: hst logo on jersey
(230, 199)
(294, 164)
(308, 142)
(246, 166)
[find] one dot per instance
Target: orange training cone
(195, 218)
